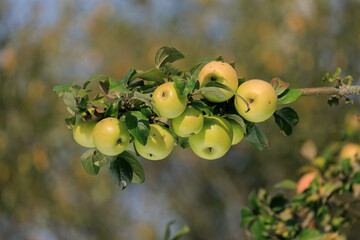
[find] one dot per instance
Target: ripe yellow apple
(159, 145)
(305, 181)
(83, 131)
(168, 101)
(190, 122)
(219, 72)
(214, 139)
(238, 131)
(261, 97)
(111, 136)
(350, 150)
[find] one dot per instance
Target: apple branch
(341, 91)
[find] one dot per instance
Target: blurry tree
(44, 191)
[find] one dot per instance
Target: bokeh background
(45, 193)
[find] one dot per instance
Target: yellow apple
(82, 132)
(218, 72)
(238, 131)
(214, 139)
(351, 151)
(159, 145)
(168, 101)
(305, 181)
(111, 136)
(190, 122)
(261, 97)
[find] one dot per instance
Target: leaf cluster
(319, 212)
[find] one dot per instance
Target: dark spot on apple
(251, 100)
(210, 149)
(192, 134)
(269, 102)
(150, 155)
(163, 94)
(154, 135)
(212, 78)
(119, 141)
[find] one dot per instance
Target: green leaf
(254, 203)
(286, 118)
(309, 234)
(60, 90)
(168, 230)
(70, 102)
(120, 171)
(257, 230)
(285, 184)
(326, 78)
(289, 96)
(116, 86)
(145, 98)
(182, 141)
(138, 125)
(356, 178)
(333, 101)
(136, 167)
(238, 119)
(202, 106)
(167, 55)
(205, 60)
(346, 165)
(92, 160)
(348, 80)
(337, 73)
(70, 121)
(256, 137)
(247, 217)
(278, 202)
(154, 74)
(184, 230)
(184, 85)
(105, 85)
(93, 79)
(213, 91)
(112, 110)
(279, 86)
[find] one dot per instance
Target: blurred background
(45, 193)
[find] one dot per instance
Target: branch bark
(342, 91)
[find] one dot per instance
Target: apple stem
(341, 91)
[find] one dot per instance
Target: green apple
(214, 139)
(261, 97)
(219, 72)
(83, 131)
(159, 145)
(111, 136)
(168, 101)
(190, 122)
(238, 131)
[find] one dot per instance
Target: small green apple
(159, 145)
(214, 139)
(111, 136)
(168, 101)
(83, 131)
(238, 131)
(218, 72)
(190, 122)
(261, 97)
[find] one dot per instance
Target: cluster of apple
(210, 136)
